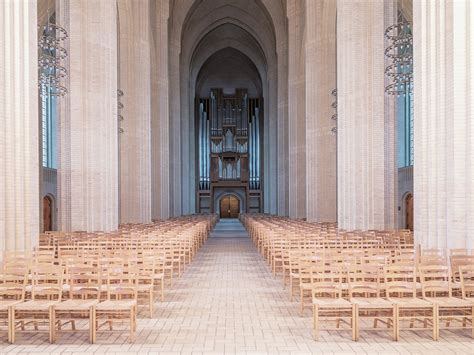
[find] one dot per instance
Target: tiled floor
(228, 302)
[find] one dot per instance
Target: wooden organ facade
(229, 135)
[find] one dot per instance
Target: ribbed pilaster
(19, 156)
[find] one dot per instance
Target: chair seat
(73, 305)
(158, 276)
(331, 302)
(449, 301)
(4, 304)
(144, 287)
(113, 305)
(410, 302)
(35, 305)
(374, 303)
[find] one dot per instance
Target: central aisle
(227, 300)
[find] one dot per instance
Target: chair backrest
(85, 282)
(326, 281)
(435, 280)
(13, 282)
(467, 280)
(400, 281)
(47, 282)
(458, 261)
(122, 283)
(364, 280)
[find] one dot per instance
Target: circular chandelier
(399, 53)
(51, 56)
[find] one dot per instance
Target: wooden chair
(400, 289)
(146, 281)
(46, 291)
(12, 292)
(121, 303)
(467, 287)
(436, 288)
(327, 299)
(85, 284)
(364, 293)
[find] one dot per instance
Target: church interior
(237, 176)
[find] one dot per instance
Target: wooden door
(47, 214)
(230, 207)
(409, 212)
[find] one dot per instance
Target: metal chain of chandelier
(52, 54)
(399, 53)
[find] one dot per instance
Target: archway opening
(229, 207)
(409, 212)
(47, 213)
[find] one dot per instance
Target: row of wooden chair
(99, 277)
(362, 277)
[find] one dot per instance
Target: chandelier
(51, 56)
(399, 53)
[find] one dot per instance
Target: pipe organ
(229, 145)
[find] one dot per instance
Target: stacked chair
(99, 279)
(367, 281)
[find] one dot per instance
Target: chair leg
(11, 324)
(162, 284)
(301, 303)
(151, 303)
(472, 321)
(435, 311)
(52, 324)
(92, 325)
(132, 324)
(396, 323)
(315, 322)
(355, 322)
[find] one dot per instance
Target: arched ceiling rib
(228, 35)
(230, 69)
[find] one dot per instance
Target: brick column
(19, 156)
(88, 132)
(320, 80)
(160, 127)
(135, 82)
(444, 124)
(362, 170)
(296, 111)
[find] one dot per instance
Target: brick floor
(228, 302)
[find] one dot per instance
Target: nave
(228, 301)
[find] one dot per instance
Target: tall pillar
(444, 124)
(88, 131)
(320, 80)
(362, 169)
(160, 128)
(19, 155)
(135, 81)
(296, 111)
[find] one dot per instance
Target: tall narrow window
(48, 120)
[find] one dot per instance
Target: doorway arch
(47, 213)
(409, 211)
(229, 206)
